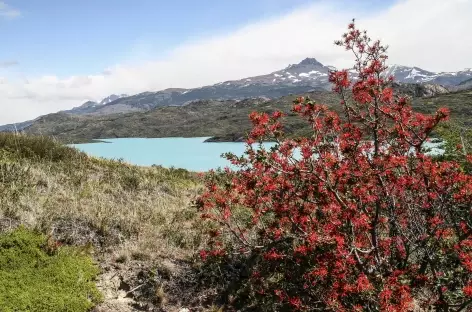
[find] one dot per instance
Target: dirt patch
(115, 297)
(158, 285)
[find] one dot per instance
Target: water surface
(188, 153)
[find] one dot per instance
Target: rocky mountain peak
(310, 61)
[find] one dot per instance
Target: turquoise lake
(188, 153)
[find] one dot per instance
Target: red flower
(277, 114)
(203, 254)
(387, 95)
(468, 290)
(272, 255)
(363, 283)
(295, 302)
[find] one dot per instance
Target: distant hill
(465, 85)
(83, 109)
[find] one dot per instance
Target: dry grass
(137, 220)
(83, 200)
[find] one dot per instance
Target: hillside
(124, 214)
(227, 120)
(465, 85)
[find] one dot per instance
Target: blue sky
(57, 54)
(65, 37)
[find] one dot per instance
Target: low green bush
(37, 275)
(38, 148)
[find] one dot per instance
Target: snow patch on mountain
(112, 98)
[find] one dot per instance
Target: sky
(57, 54)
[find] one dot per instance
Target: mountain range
(222, 120)
(306, 76)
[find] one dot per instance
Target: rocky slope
(420, 90)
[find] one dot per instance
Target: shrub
(38, 148)
(37, 275)
(354, 217)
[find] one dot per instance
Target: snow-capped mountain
(305, 76)
(417, 75)
(308, 72)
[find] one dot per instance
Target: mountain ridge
(305, 76)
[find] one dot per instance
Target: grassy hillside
(227, 119)
(126, 214)
(460, 104)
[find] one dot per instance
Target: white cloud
(7, 11)
(424, 33)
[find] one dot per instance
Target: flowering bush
(354, 217)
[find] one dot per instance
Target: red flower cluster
(354, 217)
